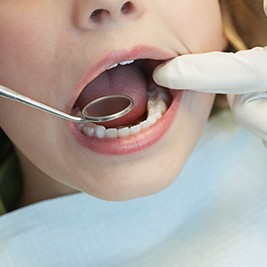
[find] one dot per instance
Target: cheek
(26, 53)
(194, 113)
(20, 70)
(16, 42)
(200, 25)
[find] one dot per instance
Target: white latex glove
(241, 75)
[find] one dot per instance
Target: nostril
(127, 7)
(98, 14)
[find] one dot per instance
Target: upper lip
(135, 53)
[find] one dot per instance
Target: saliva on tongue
(122, 80)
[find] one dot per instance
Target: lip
(148, 137)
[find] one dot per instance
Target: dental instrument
(112, 107)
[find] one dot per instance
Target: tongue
(122, 80)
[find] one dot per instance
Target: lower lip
(134, 143)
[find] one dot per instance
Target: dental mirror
(103, 109)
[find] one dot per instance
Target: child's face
(49, 51)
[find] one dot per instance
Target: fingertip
(160, 75)
(156, 75)
(170, 75)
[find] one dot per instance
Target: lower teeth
(156, 107)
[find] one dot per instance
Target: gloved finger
(250, 110)
(265, 6)
(216, 72)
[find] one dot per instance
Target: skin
(45, 49)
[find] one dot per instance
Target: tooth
(89, 130)
(100, 132)
(152, 110)
(112, 133)
(135, 129)
(152, 120)
(123, 132)
(123, 63)
(126, 62)
(150, 104)
(113, 66)
(161, 105)
(158, 115)
(144, 125)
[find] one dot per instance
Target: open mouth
(143, 125)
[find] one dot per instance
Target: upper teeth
(123, 63)
(126, 62)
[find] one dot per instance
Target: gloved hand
(241, 75)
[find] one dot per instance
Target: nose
(89, 14)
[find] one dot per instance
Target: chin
(132, 183)
(136, 173)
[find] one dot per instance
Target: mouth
(151, 117)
